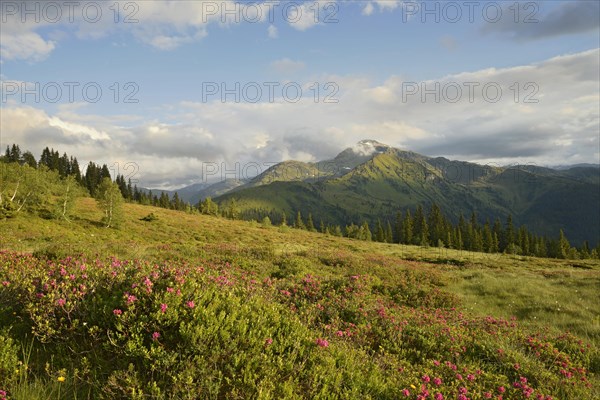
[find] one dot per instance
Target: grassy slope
(558, 295)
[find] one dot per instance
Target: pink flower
(459, 377)
(406, 392)
(437, 381)
(5, 283)
(436, 363)
(130, 298)
(61, 302)
(426, 378)
(322, 342)
(116, 311)
(517, 366)
(501, 389)
(155, 336)
(471, 377)
(163, 307)
(439, 396)
(340, 333)
(462, 390)
(190, 304)
(268, 341)
(487, 395)
(170, 290)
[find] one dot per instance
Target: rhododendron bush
(135, 329)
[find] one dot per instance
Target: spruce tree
(399, 228)
(436, 224)
(407, 226)
(564, 246)
(365, 232)
(488, 241)
(29, 159)
(509, 233)
(389, 234)
(380, 234)
(310, 226)
(299, 224)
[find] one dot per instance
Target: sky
(166, 91)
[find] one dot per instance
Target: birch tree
(110, 200)
(21, 189)
(67, 191)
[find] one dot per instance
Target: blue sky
(370, 51)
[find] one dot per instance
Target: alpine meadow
(374, 199)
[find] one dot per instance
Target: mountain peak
(368, 147)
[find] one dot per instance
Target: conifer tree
(299, 224)
(380, 234)
(399, 228)
(407, 226)
(488, 241)
(29, 159)
(436, 224)
(563, 245)
(365, 232)
(509, 233)
(389, 234)
(310, 226)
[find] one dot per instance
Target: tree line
(51, 185)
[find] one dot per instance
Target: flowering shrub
(134, 329)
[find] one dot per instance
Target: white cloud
(396, 132)
(388, 4)
(310, 13)
(25, 46)
(287, 66)
(562, 128)
(449, 42)
(383, 5)
(272, 32)
(381, 94)
(163, 24)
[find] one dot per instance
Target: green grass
(557, 294)
(399, 297)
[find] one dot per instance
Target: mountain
(187, 193)
(199, 191)
(371, 180)
(215, 189)
(286, 171)
(582, 165)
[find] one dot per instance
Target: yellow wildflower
(61, 379)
